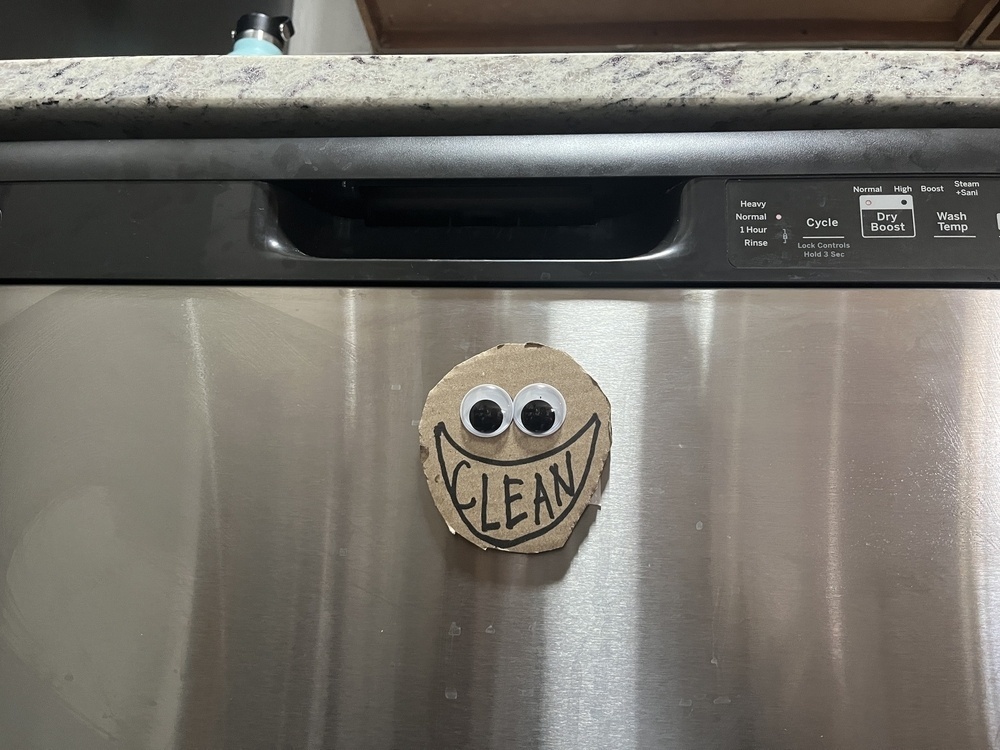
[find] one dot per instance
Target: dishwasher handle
(583, 219)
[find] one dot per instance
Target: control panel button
(887, 216)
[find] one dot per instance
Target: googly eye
(539, 409)
(487, 410)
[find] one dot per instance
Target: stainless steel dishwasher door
(215, 533)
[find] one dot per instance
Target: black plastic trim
(201, 212)
(614, 155)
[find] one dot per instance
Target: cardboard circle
(515, 491)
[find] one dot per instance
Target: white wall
(328, 27)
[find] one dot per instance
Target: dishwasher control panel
(946, 222)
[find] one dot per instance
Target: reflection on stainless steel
(214, 532)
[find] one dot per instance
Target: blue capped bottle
(261, 34)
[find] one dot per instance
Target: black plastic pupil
(538, 416)
(486, 416)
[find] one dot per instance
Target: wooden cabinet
(527, 25)
(989, 35)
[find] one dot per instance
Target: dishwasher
(215, 531)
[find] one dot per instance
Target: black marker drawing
(536, 494)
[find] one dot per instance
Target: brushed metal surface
(214, 532)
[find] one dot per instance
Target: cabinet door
(520, 25)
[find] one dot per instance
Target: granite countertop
(484, 94)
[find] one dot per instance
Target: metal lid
(274, 29)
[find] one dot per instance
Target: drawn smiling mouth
(535, 493)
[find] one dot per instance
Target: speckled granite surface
(228, 96)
